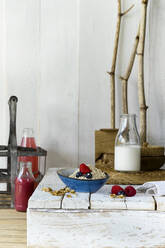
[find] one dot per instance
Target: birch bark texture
(141, 90)
(114, 60)
(113, 66)
(125, 78)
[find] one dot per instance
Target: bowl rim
(82, 180)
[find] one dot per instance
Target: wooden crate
(152, 158)
(104, 147)
(104, 142)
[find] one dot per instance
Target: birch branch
(141, 92)
(113, 65)
(125, 12)
(125, 78)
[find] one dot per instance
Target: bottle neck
(28, 132)
(25, 170)
(28, 139)
(128, 134)
(128, 122)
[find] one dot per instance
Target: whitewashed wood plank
(77, 201)
(41, 199)
(22, 58)
(3, 186)
(102, 200)
(44, 200)
(160, 203)
(3, 79)
(51, 177)
(94, 229)
(156, 72)
(140, 202)
(59, 90)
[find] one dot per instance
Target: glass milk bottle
(127, 145)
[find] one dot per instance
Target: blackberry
(78, 174)
(121, 192)
(88, 175)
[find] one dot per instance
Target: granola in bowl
(87, 172)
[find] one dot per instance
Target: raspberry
(115, 189)
(130, 191)
(84, 169)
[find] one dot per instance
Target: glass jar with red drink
(28, 140)
(24, 186)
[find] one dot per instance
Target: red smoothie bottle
(24, 186)
(28, 140)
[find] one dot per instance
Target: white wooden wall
(54, 55)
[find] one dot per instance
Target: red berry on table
(130, 191)
(115, 189)
(84, 169)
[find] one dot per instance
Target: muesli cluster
(59, 192)
(87, 172)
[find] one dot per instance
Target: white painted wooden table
(93, 221)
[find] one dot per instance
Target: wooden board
(42, 199)
(12, 229)
(104, 141)
(99, 200)
(76, 201)
(160, 203)
(102, 200)
(140, 202)
(95, 229)
(5, 201)
(93, 220)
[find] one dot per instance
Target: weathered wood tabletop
(93, 220)
(12, 229)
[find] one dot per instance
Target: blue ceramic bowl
(80, 185)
